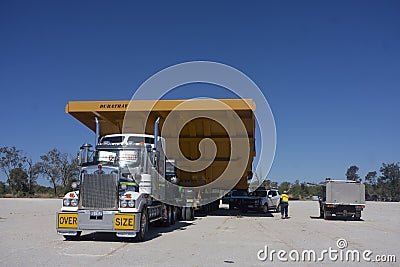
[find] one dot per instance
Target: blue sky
(329, 70)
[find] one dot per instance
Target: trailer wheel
(183, 213)
(189, 214)
(170, 220)
(144, 226)
(174, 215)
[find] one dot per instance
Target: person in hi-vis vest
(284, 203)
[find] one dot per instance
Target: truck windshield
(111, 139)
(260, 193)
(118, 157)
(239, 193)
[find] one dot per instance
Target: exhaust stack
(97, 130)
(156, 132)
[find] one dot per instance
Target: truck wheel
(174, 216)
(189, 213)
(167, 221)
(144, 226)
(170, 220)
(183, 213)
(265, 208)
(73, 237)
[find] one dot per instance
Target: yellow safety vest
(285, 198)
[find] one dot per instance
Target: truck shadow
(234, 212)
(337, 218)
(154, 232)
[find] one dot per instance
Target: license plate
(67, 220)
(96, 213)
(124, 222)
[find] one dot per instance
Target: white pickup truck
(261, 199)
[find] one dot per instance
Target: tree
(33, 170)
(2, 188)
(51, 167)
(371, 181)
(284, 186)
(11, 158)
(69, 169)
(390, 180)
(18, 181)
(266, 184)
(59, 168)
(351, 173)
(371, 178)
(297, 191)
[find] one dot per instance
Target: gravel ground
(224, 238)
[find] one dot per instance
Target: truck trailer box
(345, 193)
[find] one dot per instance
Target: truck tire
(170, 211)
(169, 220)
(144, 226)
(183, 213)
(73, 237)
(265, 208)
(189, 213)
(174, 216)
(357, 216)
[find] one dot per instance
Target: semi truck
(119, 189)
(344, 198)
(126, 181)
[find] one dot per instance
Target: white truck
(342, 198)
(120, 187)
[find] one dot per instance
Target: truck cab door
(273, 195)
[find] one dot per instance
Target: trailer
(126, 178)
(344, 198)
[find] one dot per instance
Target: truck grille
(98, 191)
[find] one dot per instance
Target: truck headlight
(74, 202)
(66, 202)
(131, 204)
(123, 203)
